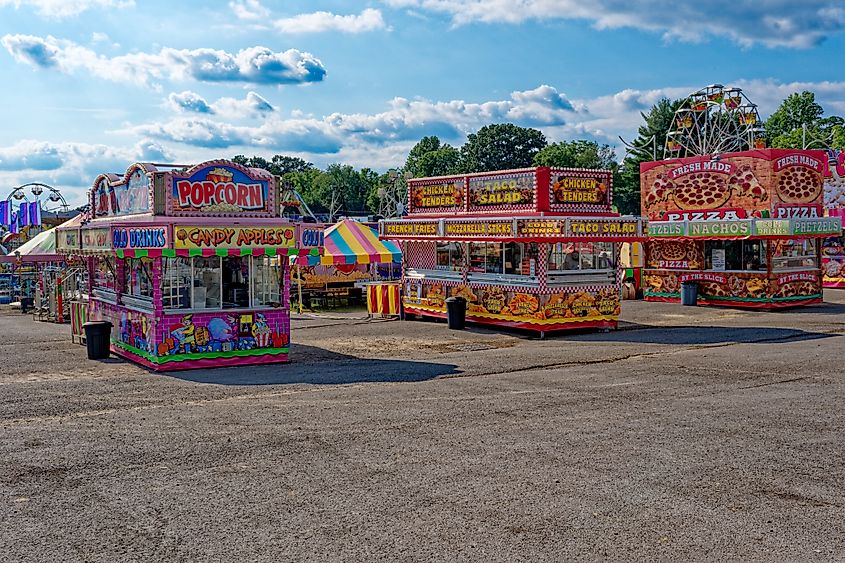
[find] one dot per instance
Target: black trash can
(456, 311)
(27, 303)
(689, 293)
(97, 339)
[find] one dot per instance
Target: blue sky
(92, 85)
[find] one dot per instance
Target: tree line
(799, 122)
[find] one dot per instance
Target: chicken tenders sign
(222, 190)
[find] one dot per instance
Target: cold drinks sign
(221, 190)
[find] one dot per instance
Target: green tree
(501, 146)
(441, 162)
(286, 164)
(838, 138)
(424, 146)
(651, 138)
(307, 183)
(794, 112)
(577, 154)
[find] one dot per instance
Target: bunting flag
(35, 213)
(23, 215)
(5, 213)
(13, 224)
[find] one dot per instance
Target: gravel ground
(690, 434)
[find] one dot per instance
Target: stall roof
(39, 245)
(349, 242)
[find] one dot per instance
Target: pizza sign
(754, 182)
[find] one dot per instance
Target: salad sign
(221, 190)
(510, 190)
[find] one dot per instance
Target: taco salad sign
(220, 188)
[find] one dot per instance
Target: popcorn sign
(221, 190)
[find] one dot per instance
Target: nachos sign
(221, 189)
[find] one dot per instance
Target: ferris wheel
(713, 120)
(54, 202)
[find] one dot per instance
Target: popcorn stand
(745, 226)
(188, 265)
(532, 248)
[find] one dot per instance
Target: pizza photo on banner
(746, 227)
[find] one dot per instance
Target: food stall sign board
(234, 237)
(140, 237)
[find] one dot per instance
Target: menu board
(502, 191)
(574, 189)
(428, 196)
(232, 237)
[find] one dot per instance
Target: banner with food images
(507, 304)
(737, 287)
(833, 262)
(777, 183)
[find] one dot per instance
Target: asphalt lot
(690, 434)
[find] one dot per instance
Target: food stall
(352, 258)
(745, 226)
(533, 248)
(833, 248)
(189, 265)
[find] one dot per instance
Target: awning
(349, 242)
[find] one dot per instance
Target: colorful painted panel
(779, 183)
(221, 188)
(735, 287)
(506, 304)
(577, 189)
(234, 237)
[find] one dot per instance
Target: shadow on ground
(691, 335)
(320, 367)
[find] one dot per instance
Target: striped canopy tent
(40, 248)
(349, 242)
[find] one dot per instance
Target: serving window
(794, 255)
(450, 256)
(571, 257)
(503, 259)
(138, 277)
(230, 282)
(104, 273)
(735, 255)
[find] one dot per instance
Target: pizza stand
(349, 246)
(533, 248)
(188, 264)
(743, 228)
(833, 248)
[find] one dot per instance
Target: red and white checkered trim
(527, 178)
(605, 175)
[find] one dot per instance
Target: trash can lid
(97, 323)
(456, 298)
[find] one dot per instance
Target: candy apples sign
(222, 189)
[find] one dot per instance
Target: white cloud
(369, 19)
(254, 65)
(774, 23)
(249, 10)
(72, 167)
(253, 105)
(379, 140)
(404, 120)
(65, 8)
